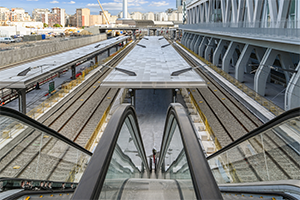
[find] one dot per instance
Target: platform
(31, 72)
(150, 65)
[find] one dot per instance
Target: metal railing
(269, 105)
(283, 30)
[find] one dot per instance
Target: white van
(6, 40)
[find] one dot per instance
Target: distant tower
(124, 9)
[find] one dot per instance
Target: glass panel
(28, 153)
(270, 156)
(126, 161)
(175, 161)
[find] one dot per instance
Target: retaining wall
(19, 55)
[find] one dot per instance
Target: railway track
(230, 120)
(44, 157)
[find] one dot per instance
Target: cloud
(54, 1)
(158, 4)
(71, 2)
(31, 0)
(107, 6)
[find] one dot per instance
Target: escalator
(262, 164)
(36, 161)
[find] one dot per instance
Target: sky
(113, 6)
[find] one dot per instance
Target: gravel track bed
(214, 123)
(74, 125)
(231, 124)
(231, 106)
(15, 153)
(275, 172)
(92, 124)
(80, 105)
(294, 172)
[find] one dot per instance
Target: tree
(46, 25)
(56, 25)
(82, 27)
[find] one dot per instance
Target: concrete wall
(19, 55)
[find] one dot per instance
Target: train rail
(76, 118)
(230, 120)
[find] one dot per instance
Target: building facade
(83, 17)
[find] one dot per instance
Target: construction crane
(107, 22)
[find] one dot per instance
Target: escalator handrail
(277, 120)
(203, 180)
(93, 178)
(39, 126)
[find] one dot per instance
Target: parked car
(6, 40)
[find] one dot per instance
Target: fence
(269, 105)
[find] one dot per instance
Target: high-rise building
(40, 15)
(136, 15)
(149, 16)
(179, 3)
(59, 16)
(4, 14)
(82, 17)
(95, 19)
(19, 14)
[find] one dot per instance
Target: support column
(286, 63)
(175, 35)
(228, 56)
(192, 41)
(197, 43)
(116, 47)
(108, 52)
(22, 100)
(218, 52)
(148, 32)
(242, 62)
(202, 46)
(207, 53)
(132, 96)
(96, 59)
(73, 68)
(263, 71)
(292, 92)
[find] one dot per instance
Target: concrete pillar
(148, 32)
(218, 52)
(22, 100)
(157, 32)
(242, 62)
(208, 54)
(263, 71)
(108, 52)
(202, 46)
(292, 92)
(228, 56)
(117, 47)
(73, 68)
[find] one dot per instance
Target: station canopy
(153, 63)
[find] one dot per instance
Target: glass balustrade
(272, 155)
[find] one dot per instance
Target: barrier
(269, 105)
